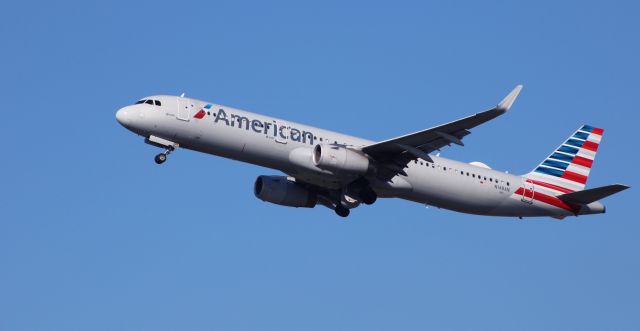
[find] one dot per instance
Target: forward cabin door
(528, 191)
(184, 109)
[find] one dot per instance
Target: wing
(395, 153)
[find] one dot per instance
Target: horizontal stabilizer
(586, 197)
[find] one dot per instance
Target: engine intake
(340, 159)
(282, 191)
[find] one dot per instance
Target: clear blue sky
(95, 236)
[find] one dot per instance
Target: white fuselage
(287, 146)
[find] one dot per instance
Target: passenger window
(150, 102)
(473, 175)
(421, 163)
(157, 103)
(507, 183)
(444, 168)
(467, 173)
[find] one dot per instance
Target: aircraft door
(184, 109)
(282, 131)
(528, 191)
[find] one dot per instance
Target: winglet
(506, 103)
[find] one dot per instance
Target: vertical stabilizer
(567, 168)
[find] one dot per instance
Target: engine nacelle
(340, 159)
(282, 191)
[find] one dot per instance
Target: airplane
(341, 172)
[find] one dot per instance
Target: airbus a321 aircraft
(341, 172)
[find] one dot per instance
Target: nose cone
(123, 117)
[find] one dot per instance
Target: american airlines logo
(263, 127)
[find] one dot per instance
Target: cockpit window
(149, 102)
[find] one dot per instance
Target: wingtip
(508, 101)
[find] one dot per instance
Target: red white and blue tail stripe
(567, 168)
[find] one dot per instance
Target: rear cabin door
(528, 191)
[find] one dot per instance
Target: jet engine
(340, 159)
(282, 191)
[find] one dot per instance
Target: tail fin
(567, 168)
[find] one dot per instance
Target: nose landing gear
(162, 157)
(169, 146)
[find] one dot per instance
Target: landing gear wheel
(160, 158)
(342, 211)
(368, 196)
